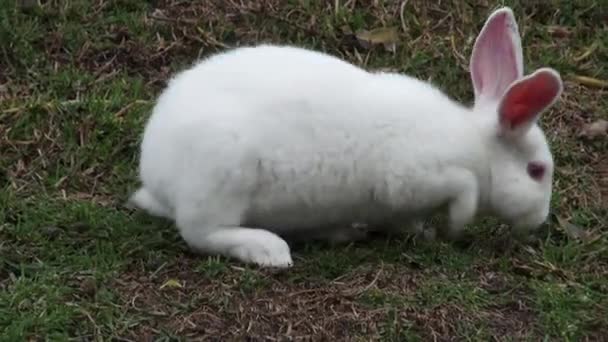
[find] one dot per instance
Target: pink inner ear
(528, 97)
(494, 63)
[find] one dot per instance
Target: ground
(77, 82)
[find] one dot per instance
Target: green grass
(77, 82)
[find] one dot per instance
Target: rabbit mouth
(530, 222)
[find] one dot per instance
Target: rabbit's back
(294, 132)
(266, 73)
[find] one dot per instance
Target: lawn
(78, 80)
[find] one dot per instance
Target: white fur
(264, 141)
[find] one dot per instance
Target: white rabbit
(268, 141)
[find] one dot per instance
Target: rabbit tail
(143, 199)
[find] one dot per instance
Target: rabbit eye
(536, 170)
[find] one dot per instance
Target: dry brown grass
(76, 83)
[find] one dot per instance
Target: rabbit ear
(497, 59)
(526, 99)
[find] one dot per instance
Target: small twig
(456, 53)
(46, 104)
(211, 39)
(104, 77)
(402, 15)
(173, 20)
(124, 109)
(366, 288)
(105, 66)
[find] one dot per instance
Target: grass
(77, 81)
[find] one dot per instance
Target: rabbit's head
(507, 106)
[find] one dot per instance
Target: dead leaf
(346, 30)
(171, 283)
(524, 270)
(386, 36)
(559, 31)
(88, 287)
(594, 129)
(601, 171)
(590, 81)
(586, 53)
(573, 230)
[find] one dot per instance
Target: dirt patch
(242, 303)
(512, 320)
(237, 303)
